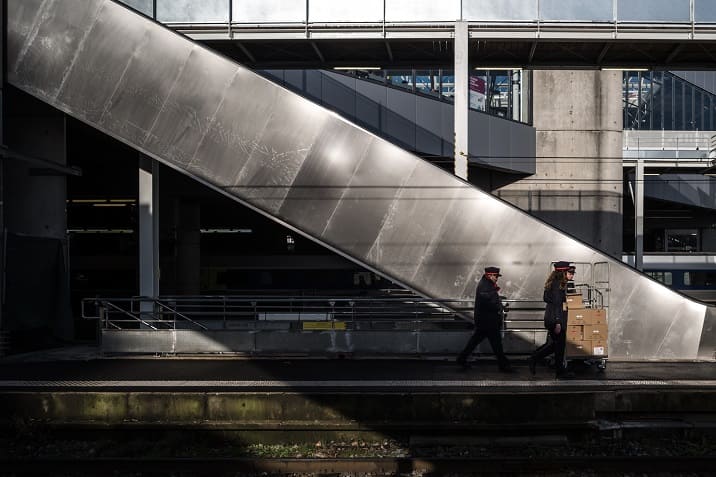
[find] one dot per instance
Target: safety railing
(227, 312)
(232, 312)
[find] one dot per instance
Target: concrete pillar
(639, 215)
(3, 32)
(577, 186)
(462, 100)
(188, 247)
(37, 307)
(148, 232)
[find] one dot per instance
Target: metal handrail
(112, 312)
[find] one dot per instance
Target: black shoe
(532, 364)
(464, 364)
(565, 375)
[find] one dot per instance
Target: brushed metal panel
(56, 36)
(188, 113)
(22, 18)
(290, 132)
(235, 131)
(371, 193)
(324, 176)
(413, 221)
(273, 150)
(146, 84)
(98, 71)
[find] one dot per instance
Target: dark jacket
(488, 307)
(554, 311)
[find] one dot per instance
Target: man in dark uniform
(488, 320)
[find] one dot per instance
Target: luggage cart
(595, 293)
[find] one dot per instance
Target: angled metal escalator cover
(305, 167)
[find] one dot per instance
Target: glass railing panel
(505, 10)
(269, 11)
(427, 82)
(653, 10)
(191, 11)
(705, 11)
(354, 11)
(144, 6)
(576, 10)
(421, 11)
(400, 78)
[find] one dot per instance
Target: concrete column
(577, 186)
(188, 247)
(462, 78)
(639, 215)
(37, 306)
(148, 231)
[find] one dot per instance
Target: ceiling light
(356, 67)
(497, 68)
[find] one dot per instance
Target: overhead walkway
(315, 172)
(415, 122)
(668, 34)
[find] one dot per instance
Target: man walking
(488, 320)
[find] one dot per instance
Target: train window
(700, 279)
(682, 240)
(663, 277)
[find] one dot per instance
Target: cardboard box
(598, 316)
(595, 332)
(574, 301)
(599, 347)
(575, 333)
(587, 316)
(579, 348)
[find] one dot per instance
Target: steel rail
(379, 466)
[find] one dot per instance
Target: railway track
(584, 465)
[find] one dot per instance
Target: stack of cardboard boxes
(586, 329)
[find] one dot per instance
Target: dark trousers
(556, 344)
(495, 339)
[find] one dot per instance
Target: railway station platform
(293, 394)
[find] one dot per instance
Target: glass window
(401, 78)
(206, 11)
(654, 10)
(700, 279)
(668, 102)
(576, 10)
(657, 101)
(698, 111)
(421, 10)
(678, 105)
(447, 84)
(427, 82)
(504, 10)
(689, 121)
(144, 6)
(682, 240)
(704, 11)
(250, 11)
(632, 95)
(663, 277)
(707, 108)
(333, 11)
